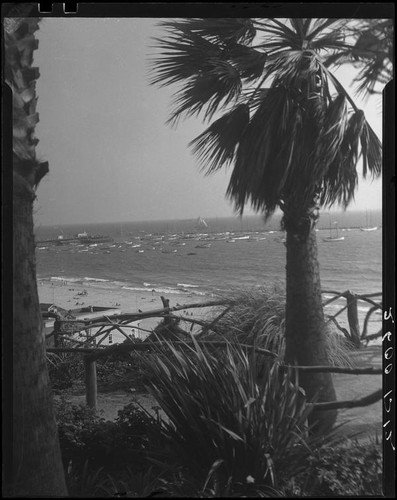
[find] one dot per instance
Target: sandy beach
(71, 295)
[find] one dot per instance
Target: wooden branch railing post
(91, 391)
(352, 316)
(57, 329)
(166, 305)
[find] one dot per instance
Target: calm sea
(186, 256)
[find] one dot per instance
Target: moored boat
(368, 228)
(333, 236)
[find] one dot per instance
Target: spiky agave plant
(291, 132)
(223, 425)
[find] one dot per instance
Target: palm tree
(292, 134)
(36, 460)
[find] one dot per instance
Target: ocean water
(209, 259)
(203, 260)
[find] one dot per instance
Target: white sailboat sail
(368, 227)
(201, 222)
(333, 236)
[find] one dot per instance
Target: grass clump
(257, 317)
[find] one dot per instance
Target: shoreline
(71, 295)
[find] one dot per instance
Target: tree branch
(337, 369)
(352, 403)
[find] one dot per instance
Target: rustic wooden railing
(356, 336)
(106, 325)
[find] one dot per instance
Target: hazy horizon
(278, 215)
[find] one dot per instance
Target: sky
(102, 129)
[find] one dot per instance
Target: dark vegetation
(233, 423)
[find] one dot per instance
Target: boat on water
(205, 245)
(333, 235)
(331, 238)
(367, 227)
(80, 238)
(200, 223)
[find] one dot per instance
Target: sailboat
(200, 223)
(367, 227)
(333, 237)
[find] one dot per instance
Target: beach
(71, 295)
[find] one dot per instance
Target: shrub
(86, 438)
(73, 421)
(349, 469)
(65, 370)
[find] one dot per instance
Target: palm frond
(219, 30)
(371, 148)
(372, 48)
(376, 71)
(332, 135)
(340, 181)
(216, 87)
(338, 58)
(330, 41)
(319, 26)
(249, 62)
(183, 55)
(285, 31)
(267, 152)
(216, 146)
(255, 97)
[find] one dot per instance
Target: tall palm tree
(36, 460)
(292, 134)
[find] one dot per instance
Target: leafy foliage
(65, 370)
(86, 438)
(350, 469)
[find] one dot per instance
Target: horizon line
(192, 219)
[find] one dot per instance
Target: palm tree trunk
(36, 462)
(306, 343)
(36, 465)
